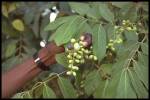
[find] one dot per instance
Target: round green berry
(70, 61)
(80, 52)
(69, 73)
(75, 68)
(77, 61)
(69, 56)
(91, 56)
(112, 48)
(76, 46)
(74, 54)
(70, 65)
(95, 58)
(79, 57)
(74, 73)
(86, 51)
(110, 44)
(73, 40)
(129, 28)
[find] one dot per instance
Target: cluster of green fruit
(126, 26)
(113, 42)
(77, 53)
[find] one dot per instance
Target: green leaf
(59, 21)
(128, 12)
(124, 89)
(137, 85)
(125, 49)
(38, 92)
(143, 59)
(8, 29)
(99, 41)
(48, 92)
(10, 50)
(62, 59)
(144, 47)
(92, 81)
(100, 92)
(110, 31)
(131, 14)
(142, 72)
(66, 88)
(105, 12)
(107, 68)
(78, 79)
(130, 35)
(83, 28)
(106, 89)
(94, 12)
(81, 8)
(64, 33)
(18, 25)
(120, 4)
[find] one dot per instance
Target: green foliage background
(122, 73)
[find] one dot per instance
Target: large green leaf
(144, 47)
(66, 88)
(124, 89)
(62, 59)
(142, 72)
(125, 49)
(85, 28)
(137, 84)
(99, 41)
(81, 8)
(92, 81)
(110, 31)
(59, 21)
(48, 92)
(131, 35)
(107, 68)
(105, 12)
(106, 89)
(94, 11)
(143, 59)
(131, 14)
(64, 33)
(128, 12)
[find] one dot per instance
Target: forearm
(16, 78)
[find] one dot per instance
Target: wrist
(47, 54)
